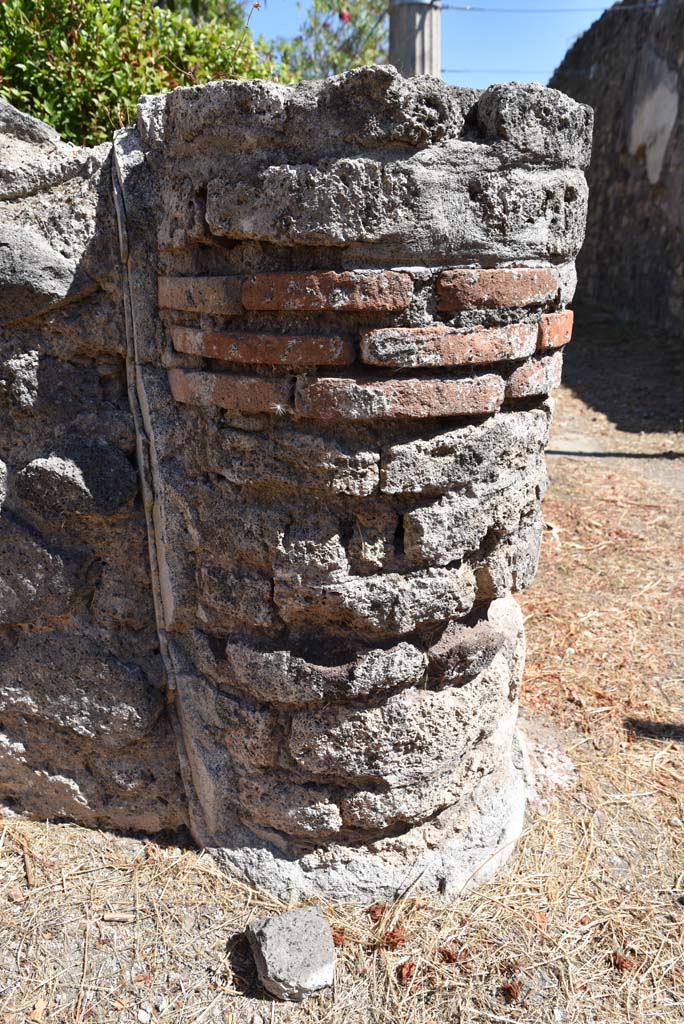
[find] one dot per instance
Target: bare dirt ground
(585, 924)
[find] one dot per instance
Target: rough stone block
(307, 811)
(293, 460)
(19, 379)
(414, 735)
(233, 599)
(72, 682)
(544, 124)
(477, 457)
(351, 291)
(439, 345)
(339, 398)
(89, 477)
(34, 581)
(294, 953)
(282, 678)
(457, 524)
(386, 605)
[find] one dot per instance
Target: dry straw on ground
(585, 924)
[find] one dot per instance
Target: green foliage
(337, 35)
(81, 65)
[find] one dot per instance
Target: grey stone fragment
(89, 477)
(33, 275)
(387, 604)
(294, 953)
(19, 379)
(34, 580)
(71, 681)
(281, 677)
(455, 524)
(293, 460)
(3, 484)
(542, 123)
(476, 458)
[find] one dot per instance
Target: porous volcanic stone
(294, 953)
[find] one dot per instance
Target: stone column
(346, 308)
(414, 37)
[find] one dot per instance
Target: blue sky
(484, 47)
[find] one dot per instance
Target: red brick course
(219, 295)
(234, 392)
(338, 398)
(267, 349)
(463, 288)
(555, 330)
(439, 345)
(535, 377)
(352, 291)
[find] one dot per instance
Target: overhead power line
(497, 71)
(470, 8)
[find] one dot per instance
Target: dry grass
(585, 924)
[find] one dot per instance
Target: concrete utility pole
(415, 46)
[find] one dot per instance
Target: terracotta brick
(535, 377)
(555, 330)
(219, 295)
(332, 398)
(269, 349)
(493, 289)
(350, 291)
(439, 345)
(234, 392)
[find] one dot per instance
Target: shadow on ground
(667, 731)
(632, 374)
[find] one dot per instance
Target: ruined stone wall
(84, 732)
(347, 312)
(629, 67)
(322, 323)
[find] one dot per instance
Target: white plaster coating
(655, 113)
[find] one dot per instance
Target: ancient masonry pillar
(346, 312)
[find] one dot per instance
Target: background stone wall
(629, 67)
(84, 731)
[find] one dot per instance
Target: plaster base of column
(458, 850)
